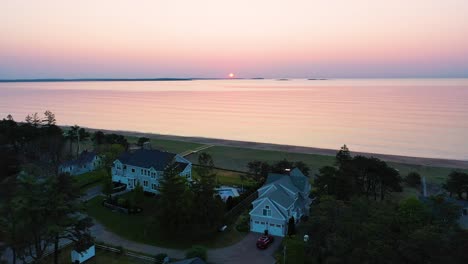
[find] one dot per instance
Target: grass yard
(101, 257)
(228, 178)
(237, 159)
(90, 179)
(143, 227)
(168, 145)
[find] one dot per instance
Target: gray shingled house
(281, 197)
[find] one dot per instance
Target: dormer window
(267, 211)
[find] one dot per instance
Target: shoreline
(421, 161)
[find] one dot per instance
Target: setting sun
(231, 75)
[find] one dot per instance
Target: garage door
(257, 226)
(275, 230)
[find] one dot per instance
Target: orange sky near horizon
(211, 38)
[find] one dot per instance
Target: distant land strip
(421, 161)
(99, 80)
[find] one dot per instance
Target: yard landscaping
(90, 179)
(143, 228)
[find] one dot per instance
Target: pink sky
(252, 38)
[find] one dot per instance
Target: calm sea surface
(415, 117)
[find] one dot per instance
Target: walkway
(191, 151)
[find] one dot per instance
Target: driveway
(245, 252)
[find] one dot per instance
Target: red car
(264, 241)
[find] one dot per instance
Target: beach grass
(168, 145)
(236, 158)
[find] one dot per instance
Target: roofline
(253, 209)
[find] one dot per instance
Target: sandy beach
(462, 164)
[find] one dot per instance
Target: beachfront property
(146, 166)
(86, 162)
(281, 197)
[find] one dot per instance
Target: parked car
(264, 241)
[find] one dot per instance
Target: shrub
(413, 179)
(243, 225)
(197, 251)
(159, 258)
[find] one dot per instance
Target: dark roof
(296, 177)
(84, 158)
(190, 261)
(147, 158)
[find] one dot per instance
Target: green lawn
(237, 159)
(101, 257)
(90, 179)
(144, 229)
(228, 178)
(168, 145)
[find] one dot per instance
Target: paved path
(188, 152)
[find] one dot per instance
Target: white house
(281, 197)
(86, 162)
(146, 167)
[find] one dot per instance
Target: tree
(291, 226)
(413, 179)
(258, 170)
(175, 200)
(303, 167)
(281, 166)
(72, 135)
(206, 160)
(10, 117)
(49, 118)
(343, 156)
(138, 194)
(98, 138)
(28, 119)
(36, 120)
(142, 140)
(457, 183)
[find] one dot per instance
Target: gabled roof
(293, 180)
(84, 158)
(279, 195)
(147, 158)
(284, 190)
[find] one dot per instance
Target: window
(262, 223)
(133, 170)
(141, 171)
(272, 224)
(256, 222)
(267, 211)
(125, 166)
(145, 183)
(278, 225)
(153, 186)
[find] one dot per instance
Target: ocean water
(413, 117)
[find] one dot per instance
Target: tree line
(354, 220)
(38, 206)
